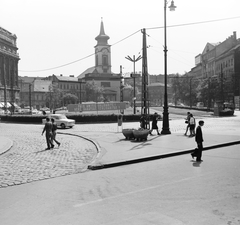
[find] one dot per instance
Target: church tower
(102, 52)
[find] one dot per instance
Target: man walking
(48, 130)
(199, 139)
(54, 132)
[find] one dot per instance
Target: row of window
(225, 64)
(71, 86)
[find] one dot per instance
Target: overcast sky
(53, 33)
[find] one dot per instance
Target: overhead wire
(177, 25)
(42, 70)
(195, 23)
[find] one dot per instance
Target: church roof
(89, 70)
(102, 38)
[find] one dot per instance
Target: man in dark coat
(199, 139)
(48, 129)
(154, 124)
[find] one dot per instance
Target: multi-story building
(33, 91)
(9, 91)
(220, 62)
(69, 84)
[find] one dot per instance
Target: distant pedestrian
(192, 125)
(154, 123)
(143, 122)
(199, 139)
(48, 130)
(54, 132)
(187, 122)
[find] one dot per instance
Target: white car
(61, 120)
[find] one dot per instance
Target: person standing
(54, 132)
(154, 124)
(199, 139)
(143, 121)
(187, 122)
(192, 125)
(48, 130)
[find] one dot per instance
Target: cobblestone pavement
(28, 161)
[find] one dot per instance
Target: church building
(101, 73)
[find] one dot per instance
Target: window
(96, 60)
(105, 60)
(105, 84)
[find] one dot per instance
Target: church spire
(102, 38)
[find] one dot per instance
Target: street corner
(6, 144)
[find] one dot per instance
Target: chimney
(235, 35)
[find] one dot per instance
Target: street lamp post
(80, 94)
(134, 76)
(165, 127)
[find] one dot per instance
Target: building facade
(69, 84)
(9, 91)
(156, 94)
(220, 63)
(33, 92)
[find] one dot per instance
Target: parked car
(61, 110)
(35, 111)
(2, 111)
(61, 120)
(200, 105)
(227, 109)
(45, 110)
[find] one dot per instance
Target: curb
(167, 155)
(8, 143)
(88, 139)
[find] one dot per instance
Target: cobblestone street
(28, 161)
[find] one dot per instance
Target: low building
(156, 94)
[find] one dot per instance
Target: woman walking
(192, 125)
(154, 124)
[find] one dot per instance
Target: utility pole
(30, 98)
(121, 87)
(81, 82)
(134, 76)
(145, 102)
(222, 89)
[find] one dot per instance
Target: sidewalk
(116, 151)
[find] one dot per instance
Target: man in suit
(48, 129)
(199, 139)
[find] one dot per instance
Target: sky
(58, 37)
